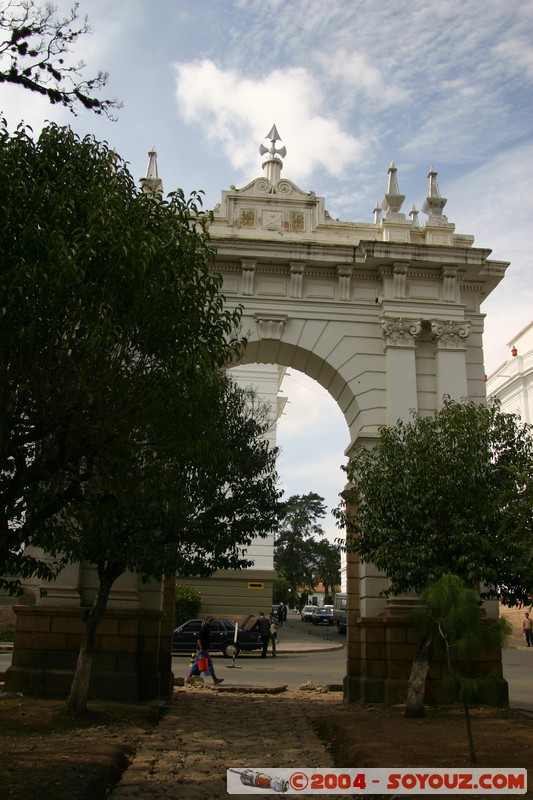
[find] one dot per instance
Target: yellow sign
(256, 585)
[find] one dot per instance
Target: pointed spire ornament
(152, 183)
(414, 216)
(392, 201)
(274, 152)
(377, 214)
(434, 202)
(151, 170)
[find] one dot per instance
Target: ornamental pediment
(263, 188)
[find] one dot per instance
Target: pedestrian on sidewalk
(273, 632)
(263, 626)
(203, 644)
(527, 627)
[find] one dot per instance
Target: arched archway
(386, 316)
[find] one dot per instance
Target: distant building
(512, 382)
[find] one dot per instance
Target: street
(326, 666)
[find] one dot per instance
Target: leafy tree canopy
(34, 55)
(449, 492)
(299, 557)
(111, 328)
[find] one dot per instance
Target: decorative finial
(274, 137)
(414, 216)
(392, 202)
(151, 170)
(434, 202)
(152, 183)
(377, 213)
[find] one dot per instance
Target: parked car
(222, 637)
(324, 614)
(307, 613)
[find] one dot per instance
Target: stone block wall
(132, 655)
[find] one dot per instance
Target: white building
(512, 382)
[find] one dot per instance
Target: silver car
(307, 613)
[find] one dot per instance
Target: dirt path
(204, 732)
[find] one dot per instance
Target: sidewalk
(296, 636)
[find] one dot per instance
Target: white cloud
(237, 112)
(495, 204)
(361, 78)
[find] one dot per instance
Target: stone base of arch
(132, 657)
(380, 654)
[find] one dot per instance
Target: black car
(222, 637)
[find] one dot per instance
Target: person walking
(273, 633)
(527, 627)
(263, 626)
(203, 644)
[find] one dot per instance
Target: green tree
(452, 617)
(437, 494)
(327, 565)
(295, 545)
(109, 307)
(34, 55)
(123, 442)
(187, 603)
(171, 505)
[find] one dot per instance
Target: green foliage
(34, 55)
(187, 603)
(453, 618)
(94, 378)
(7, 634)
(446, 492)
(123, 442)
(451, 611)
(281, 591)
(303, 560)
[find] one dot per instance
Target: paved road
(315, 661)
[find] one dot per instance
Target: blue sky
(351, 86)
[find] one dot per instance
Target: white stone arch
(385, 316)
(328, 355)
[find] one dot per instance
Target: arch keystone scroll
(271, 326)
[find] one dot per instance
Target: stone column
(449, 337)
(400, 334)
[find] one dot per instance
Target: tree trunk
(79, 691)
(414, 706)
(471, 748)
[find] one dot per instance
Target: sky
(351, 86)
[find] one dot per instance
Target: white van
(340, 602)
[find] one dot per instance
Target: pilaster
(399, 334)
(449, 338)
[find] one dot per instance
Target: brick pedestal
(132, 655)
(380, 656)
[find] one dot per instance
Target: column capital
(399, 331)
(448, 334)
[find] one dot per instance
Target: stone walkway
(205, 731)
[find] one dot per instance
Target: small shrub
(7, 634)
(187, 603)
